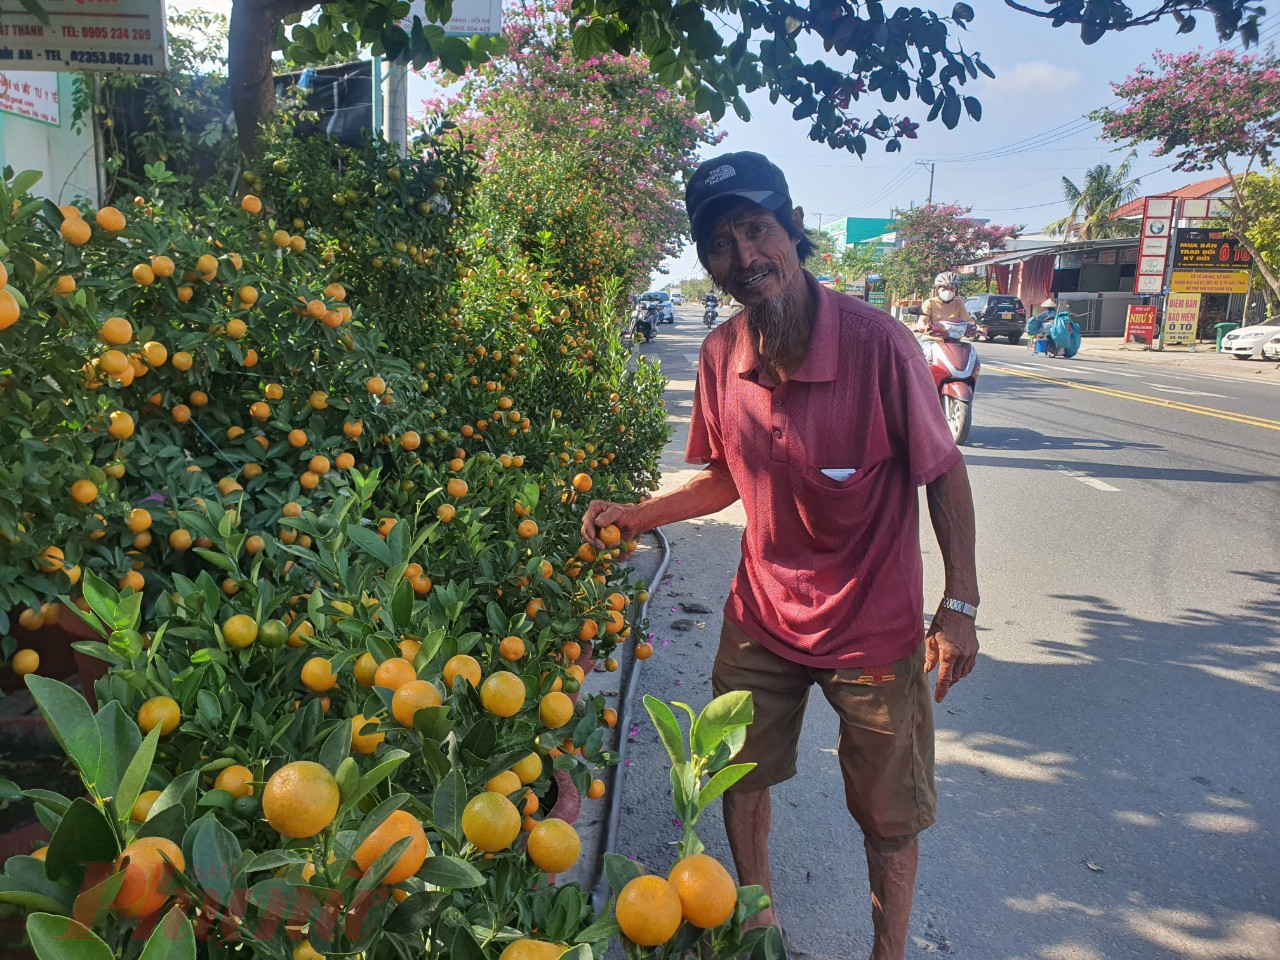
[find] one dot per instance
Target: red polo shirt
(831, 574)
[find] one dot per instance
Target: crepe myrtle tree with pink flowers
(937, 237)
(1208, 111)
(602, 124)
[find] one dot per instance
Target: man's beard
(775, 324)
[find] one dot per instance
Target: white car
(677, 298)
(1271, 349)
(1247, 342)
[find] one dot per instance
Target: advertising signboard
(1209, 281)
(1181, 317)
(1157, 225)
(1140, 323)
(1201, 249)
(470, 17)
(30, 95)
(105, 36)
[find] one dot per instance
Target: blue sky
(1032, 133)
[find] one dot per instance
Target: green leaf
(84, 837)
(451, 873)
(606, 928)
(370, 543)
(620, 871)
(728, 712)
(450, 798)
(61, 938)
(134, 777)
(71, 722)
(274, 860)
(464, 946)
(173, 938)
(215, 851)
(668, 730)
(581, 952)
(374, 777)
(26, 883)
(219, 560)
(721, 782)
(121, 739)
(591, 38)
(951, 110)
(417, 912)
(337, 747)
(24, 181)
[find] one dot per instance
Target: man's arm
(709, 492)
(953, 638)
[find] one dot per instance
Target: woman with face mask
(944, 304)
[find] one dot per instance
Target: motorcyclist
(943, 305)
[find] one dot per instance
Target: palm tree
(1093, 206)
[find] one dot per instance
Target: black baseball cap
(748, 175)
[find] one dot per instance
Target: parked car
(1247, 342)
(998, 315)
(1271, 349)
(661, 296)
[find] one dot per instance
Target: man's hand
(602, 513)
(952, 645)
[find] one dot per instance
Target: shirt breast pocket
(839, 480)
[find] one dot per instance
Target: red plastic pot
(57, 658)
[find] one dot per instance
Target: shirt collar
(820, 358)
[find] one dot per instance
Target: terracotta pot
(57, 658)
(21, 840)
(568, 803)
(587, 661)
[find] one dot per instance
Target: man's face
(750, 255)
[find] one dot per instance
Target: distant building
(1096, 277)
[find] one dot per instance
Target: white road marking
(692, 358)
(1084, 478)
(1186, 393)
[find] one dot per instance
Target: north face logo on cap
(720, 173)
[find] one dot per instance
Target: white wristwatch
(959, 606)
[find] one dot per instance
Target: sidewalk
(1204, 359)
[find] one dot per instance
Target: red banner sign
(1140, 323)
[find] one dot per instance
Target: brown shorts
(886, 730)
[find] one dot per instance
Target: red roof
(1192, 191)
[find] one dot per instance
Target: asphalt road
(1108, 776)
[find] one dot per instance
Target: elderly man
(819, 413)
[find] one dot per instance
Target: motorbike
(646, 324)
(955, 367)
(709, 316)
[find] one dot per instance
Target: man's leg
(886, 756)
(747, 817)
(779, 690)
(891, 868)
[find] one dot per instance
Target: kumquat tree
(300, 475)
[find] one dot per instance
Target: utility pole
(931, 165)
(395, 106)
